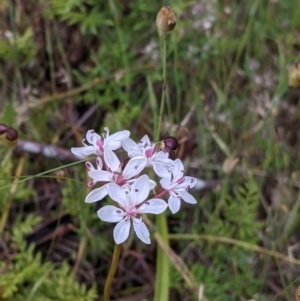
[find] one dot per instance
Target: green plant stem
(163, 87)
(161, 292)
(112, 272)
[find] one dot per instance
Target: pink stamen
(132, 212)
(99, 143)
(149, 152)
(181, 180)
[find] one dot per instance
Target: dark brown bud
(171, 142)
(3, 128)
(165, 19)
(11, 134)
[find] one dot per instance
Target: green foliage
(91, 15)
(29, 277)
(231, 271)
(241, 211)
(20, 49)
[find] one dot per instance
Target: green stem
(161, 292)
(163, 88)
(112, 272)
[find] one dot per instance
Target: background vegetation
(68, 66)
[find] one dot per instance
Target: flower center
(119, 179)
(131, 212)
(99, 143)
(149, 152)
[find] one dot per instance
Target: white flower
(131, 204)
(90, 166)
(177, 185)
(100, 145)
(146, 149)
(115, 174)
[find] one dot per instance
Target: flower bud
(11, 134)
(165, 19)
(294, 75)
(171, 142)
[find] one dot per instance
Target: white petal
(188, 182)
(99, 163)
(161, 158)
(83, 151)
(89, 136)
(128, 144)
(152, 184)
(135, 153)
(96, 194)
(145, 141)
(113, 142)
(174, 203)
(162, 171)
(100, 175)
(119, 136)
(111, 214)
(141, 231)
(192, 181)
(111, 159)
(140, 190)
(187, 197)
(200, 184)
(154, 206)
(166, 184)
(134, 167)
(178, 169)
(121, 231)
(117, 194)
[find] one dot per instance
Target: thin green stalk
(163, 88)
(162, 280)
(161, 292)
(112, 272)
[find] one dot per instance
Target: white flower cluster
(128, 185)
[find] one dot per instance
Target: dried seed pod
(294, 75)
(165, 19)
